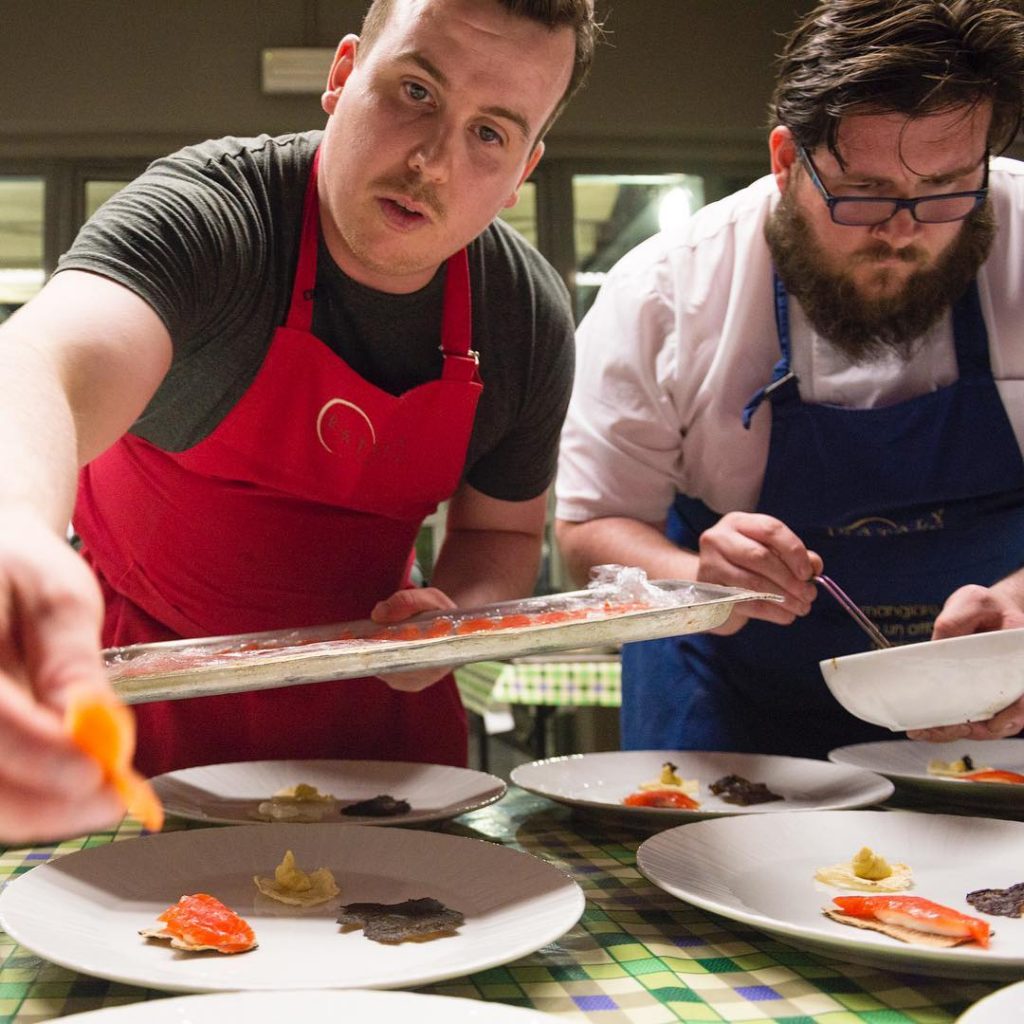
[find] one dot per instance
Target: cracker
(898, 931)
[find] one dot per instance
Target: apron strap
(300, 309)
(970, 335)
(782, 375)
(461, 363)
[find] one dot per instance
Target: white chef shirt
(683, 333)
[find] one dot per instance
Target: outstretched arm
(77, 365)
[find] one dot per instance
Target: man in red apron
(273, 359)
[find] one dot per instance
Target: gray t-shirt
(209, 238)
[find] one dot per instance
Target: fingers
(37, 752)
(50, 617)
(414, 681)
(975, 609)
(405, 603)
(941, 734)
(48, 788)
(760, 553)
(27, 817)
(400, 606)
(765, 611)
(1007, 722)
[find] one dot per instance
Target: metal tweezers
(854, 611)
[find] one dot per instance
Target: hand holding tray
(601, 615)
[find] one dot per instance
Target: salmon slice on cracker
(200, 922)
(910, 919)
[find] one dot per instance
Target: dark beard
(863, 329)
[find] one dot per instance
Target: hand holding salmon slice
(104, 728)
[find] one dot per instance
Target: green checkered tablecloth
(585, 682)
(638, 956)
(490, 686)
(476, 687)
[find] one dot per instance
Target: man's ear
(538, 152)
(344, 62)
(782, 146)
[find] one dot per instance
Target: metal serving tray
(176, 669)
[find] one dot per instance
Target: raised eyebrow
(426, 64)
(956, 172)
(510, 115)
(439, 76)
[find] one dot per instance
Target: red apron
(301, 508)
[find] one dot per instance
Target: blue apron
(904, 503)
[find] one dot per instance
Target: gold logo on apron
(342, 427)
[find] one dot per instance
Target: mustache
(413, 188)
(881, 251)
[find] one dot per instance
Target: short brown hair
(555, 14)
(909, 57)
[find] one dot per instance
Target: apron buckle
(784, 379)
(468, 354)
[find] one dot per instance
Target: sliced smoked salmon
(104, 728)
(201, 921)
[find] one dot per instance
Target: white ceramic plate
(315, 1007)
(760, 870)
(906, 763)
(231, 793)
(938, 682)
(599, 782)
(1003, 1007)
(83, 911)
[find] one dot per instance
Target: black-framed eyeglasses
(870, 211)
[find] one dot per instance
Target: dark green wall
(113, 78)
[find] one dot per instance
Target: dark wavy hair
(555, 14)
(909, 57)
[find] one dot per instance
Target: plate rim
(347, 1000)
(495, 793)
(837, 670)
(573, 894)
(871, 949)
(963, 639)
(985, 1005)
(939, 782)
(682, 815)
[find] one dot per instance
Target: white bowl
(939, 682)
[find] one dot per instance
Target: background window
(615, 212)
(21, 241)
(523, 216)
(98, 191)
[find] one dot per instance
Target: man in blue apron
(823, 369)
